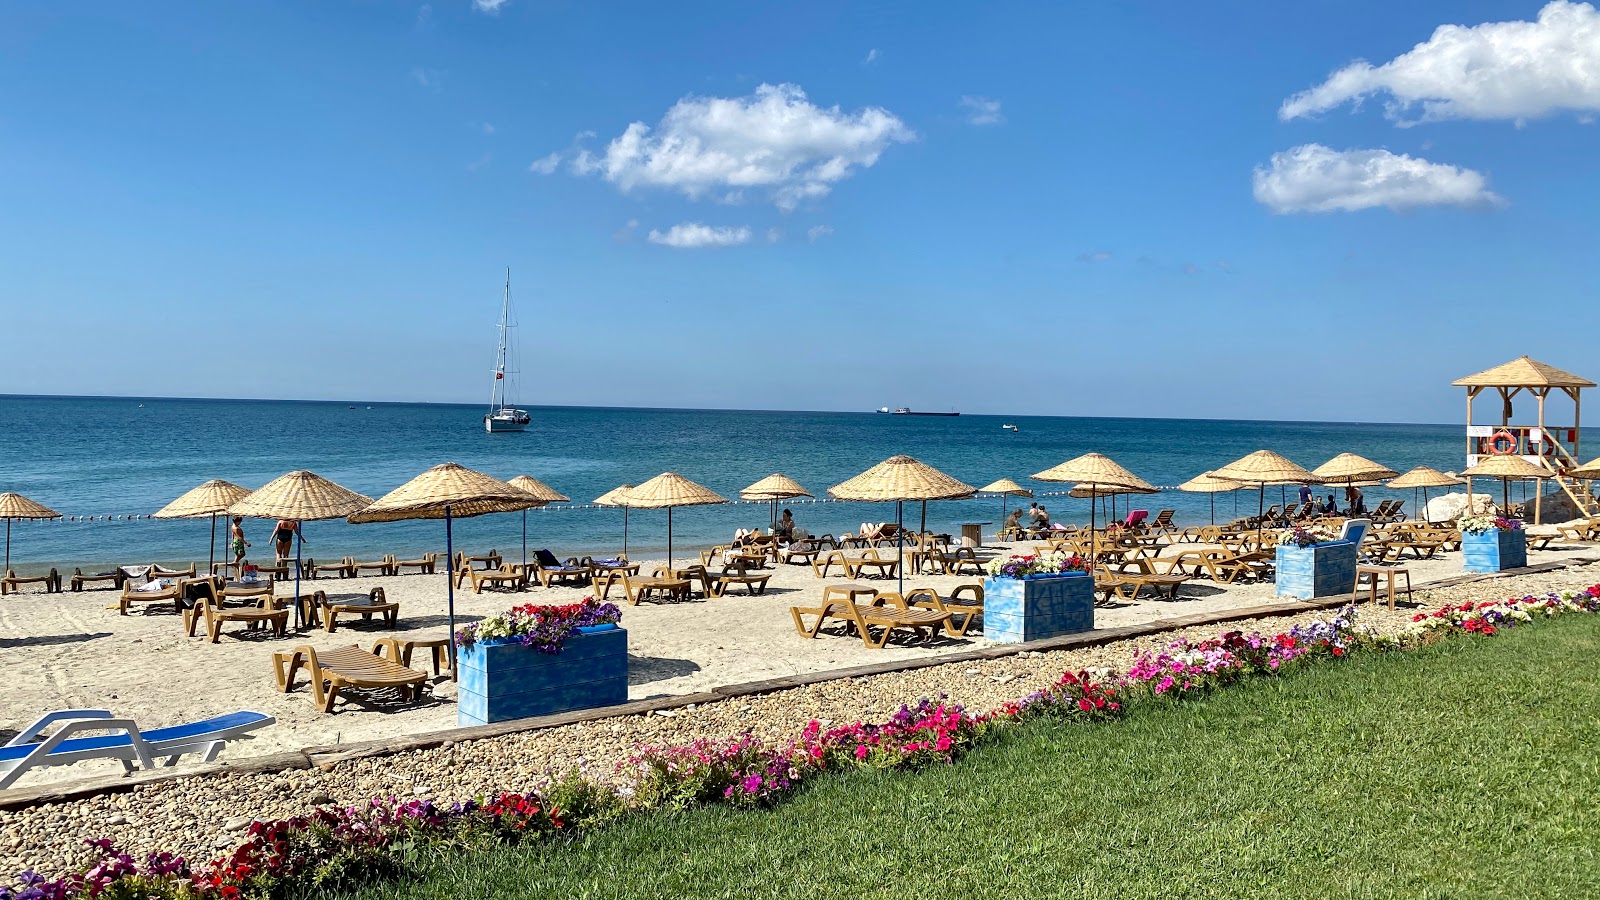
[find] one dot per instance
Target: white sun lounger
(124, 742)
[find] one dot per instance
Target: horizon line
(9, 396)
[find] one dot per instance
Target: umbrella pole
(669, 542)
(211, 563)
(298, 620)
(450, 587)
(8, 546)
(1094, 536)
(524, 539)
(1213, 508)
(924, 529)
(624, 531)
(1261, 509)
(900, 544)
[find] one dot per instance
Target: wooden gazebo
(1554, 447)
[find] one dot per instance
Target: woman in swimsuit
(283, 536)
(236, 533)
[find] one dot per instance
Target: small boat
(1011, 428)
(908, 411)
(503, 416)
(883, 409)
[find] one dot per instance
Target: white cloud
(545, 165)
(774, 139)
(492, 7)
(818, 232)
(1314, 178)
(1098, 256)
(428, 78)
(626, 232)
(982, 111)
(1190, 268)
(1498, 70)
(774, 235)
(872, 57)
(488, 128)
(424, 15)
(481, 162)
(691, 235)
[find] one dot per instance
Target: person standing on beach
(283, 535)
(1355, 500)
(1305, 494)
(236, 535)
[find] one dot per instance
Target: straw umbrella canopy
(210, 499)
(1507, 468)
(448, 491)
(1094, 470)
(542, 492)
(1094, 492)
(1351, 470)
(304, 497)
(1262, 468)
(773, 488)
(901, 478)
(1589, 471)
(1213, 484)
(669, 490)
(16, 506)
(1424, 478)
(1007, 489)
(618, 496)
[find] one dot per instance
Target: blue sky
(1203, 209)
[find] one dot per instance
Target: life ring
(1503, 443)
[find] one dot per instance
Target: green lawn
(1466, 770)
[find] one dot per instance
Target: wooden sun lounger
(216, 615)
(1128, 585)
(373, 603)
(332, 671)
(385, 566)
(115, 577)
(172, 593)
(658, 586)
(345, 568)
(427, 564)
(1580, 530)
(509, 574)
(965, 602)
(12, 582)
(865, 617)
(208, 738)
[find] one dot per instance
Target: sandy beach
(70, 650)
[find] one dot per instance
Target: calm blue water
(110, 456)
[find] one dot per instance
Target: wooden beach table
(972, 534)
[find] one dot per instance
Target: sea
(107, 463)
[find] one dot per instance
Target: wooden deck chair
(215, 615)
(332, 671)
(384, 566)
(965, 605)
(163, 591)
(426, 564)
(374, 602)
(12, 582)
(344, 568)
(509, 574)
(127, 744)
(115, 577)
(863, 618)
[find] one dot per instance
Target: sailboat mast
(497, 395)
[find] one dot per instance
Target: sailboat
(503, 416)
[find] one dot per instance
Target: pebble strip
(202, 815)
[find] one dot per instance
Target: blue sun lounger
(125, 742)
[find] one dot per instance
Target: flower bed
(540, 660)
(1492, 544)
(544, 628)
(334, 848)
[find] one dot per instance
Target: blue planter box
(1029, 609)
(500, 682)
(1321, 570)
(1494, 551)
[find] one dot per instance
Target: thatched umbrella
(1507, 468)
(210, 499)
(1589, 471)
(901, 478)
(1424, 478)
(303, 497)
(16, 506)
(1351, 470)
(542, 492)
(1211, 483)
(773, 488)
(447, 491)
(618, 496)
(1262, 468)
(1095, 470)
(1007, 489)
(667, 490)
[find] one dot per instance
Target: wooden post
(1467, 460)
(1538, 483)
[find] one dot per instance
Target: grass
(1469, 769)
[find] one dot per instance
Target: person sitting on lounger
(784, 530)
(1038, 517)
(1013, 522)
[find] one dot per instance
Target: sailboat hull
(506, 420)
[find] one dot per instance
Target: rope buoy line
(560, 507)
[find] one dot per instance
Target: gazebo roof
(1524, 372)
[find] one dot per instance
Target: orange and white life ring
(1503, 443)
